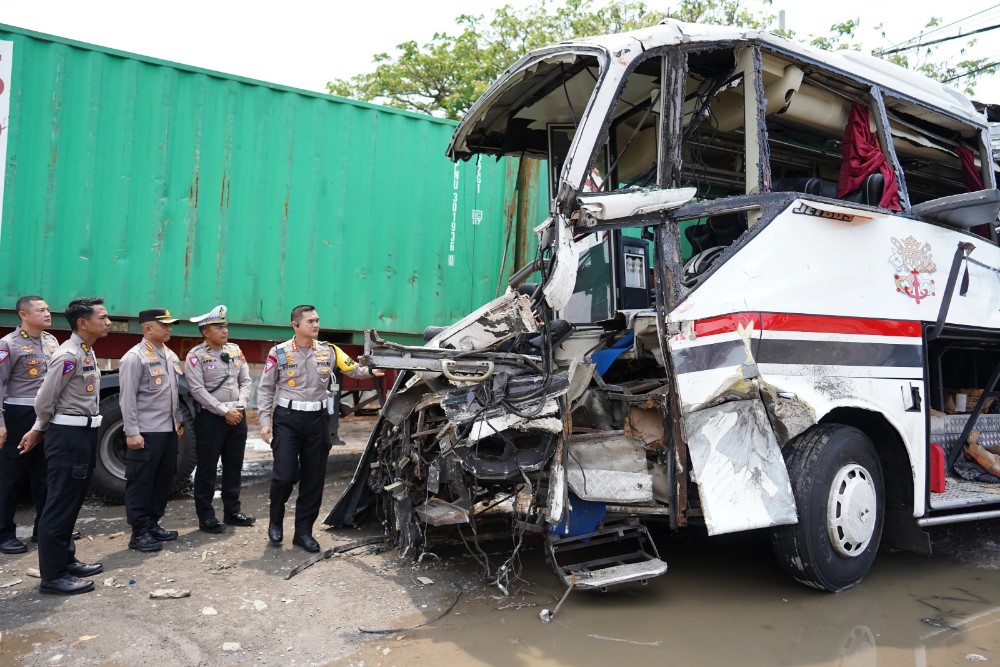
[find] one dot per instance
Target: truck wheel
(837, 483)
(187, 453)
(108, 481)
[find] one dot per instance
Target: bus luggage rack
(989, 392)
(613, 554)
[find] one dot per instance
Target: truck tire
(108, 480)
(837, 484)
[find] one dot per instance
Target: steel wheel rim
(852, 510)
(113, 450)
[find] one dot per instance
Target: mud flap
(737, 464)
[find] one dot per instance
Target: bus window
(714, 142)
(930, 148)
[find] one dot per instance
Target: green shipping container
(157, 184)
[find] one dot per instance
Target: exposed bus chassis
(471, 435)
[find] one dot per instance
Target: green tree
(448, 73)
(961, 71)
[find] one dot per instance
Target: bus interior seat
(870, 192)
(810, 186)
(720, 230)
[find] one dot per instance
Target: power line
(947, 25)
(971, 71)
(938, 41)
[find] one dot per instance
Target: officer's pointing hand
(135, 442)
(265, 434)
(29, 440)
(377, 372)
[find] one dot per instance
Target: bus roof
(855, 64)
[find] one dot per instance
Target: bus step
(611, 555)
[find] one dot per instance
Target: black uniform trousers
(14, 466)
(149, 473)
(300, 445)
(70, 453)
(214, 439)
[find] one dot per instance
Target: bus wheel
(837, 483)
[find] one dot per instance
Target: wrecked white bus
(769, 298)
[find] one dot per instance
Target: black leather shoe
(74, 535)
(240, 519)
(12, 545)
(144, 542)
(68, 585)
(275, 533)
(162, 535)
(78, 569)
(307, 542)
(211, 526)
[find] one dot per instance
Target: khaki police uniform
(23, 363)
(219, 380)
(294, 386)
(150, 408)
(67, 409)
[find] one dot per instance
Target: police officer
(24, 358)
(294, 385)
(151, 412)
(219, 379)
(67, 409)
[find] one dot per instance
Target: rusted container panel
(153, 183)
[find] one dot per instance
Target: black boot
(275, 532)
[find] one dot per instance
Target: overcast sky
(305, 44)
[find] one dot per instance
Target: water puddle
(16, 645)
(721, 603)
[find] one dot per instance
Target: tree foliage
(447, 74)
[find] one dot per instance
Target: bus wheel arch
(897, 469)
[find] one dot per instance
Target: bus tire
(108, 481)
(839, 494)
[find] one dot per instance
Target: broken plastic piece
(441, 514)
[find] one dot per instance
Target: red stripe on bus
(839, 325)
(725, 324)
(808, 323)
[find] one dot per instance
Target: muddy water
(721, 603)
(16, 646)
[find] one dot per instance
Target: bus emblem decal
(913, 265)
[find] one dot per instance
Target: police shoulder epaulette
(233, 348)
(287, 345)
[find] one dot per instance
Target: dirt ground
(912, 610)
(239, 595)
